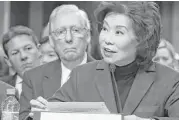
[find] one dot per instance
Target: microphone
(112, 67)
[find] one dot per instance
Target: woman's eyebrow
(117, 26)
(105, 22)
(121, 26)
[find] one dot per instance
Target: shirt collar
(84, 59)
(127, 69)
(18, 79)
(83, 62)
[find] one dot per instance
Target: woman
(48, 53)
(126, 79)
(166, 55)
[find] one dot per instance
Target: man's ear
(7, 61)
(88, 36)
(51, 41)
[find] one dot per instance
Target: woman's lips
(109, 50)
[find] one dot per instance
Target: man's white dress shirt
(18, 84)
(66, 72)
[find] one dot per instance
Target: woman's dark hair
(146, 23)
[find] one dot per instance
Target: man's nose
(23, 56)
(68, 37)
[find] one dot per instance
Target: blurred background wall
(35, 14)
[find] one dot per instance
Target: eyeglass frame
(72, 29)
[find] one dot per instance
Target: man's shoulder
(43, 68)
(5, 86)
(9, 79)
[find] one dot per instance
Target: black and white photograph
(89, 60)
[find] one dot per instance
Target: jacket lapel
(104, 85)
(11, 80)
(140, 87)
(14, 77)
(90, 58)
(52, 80)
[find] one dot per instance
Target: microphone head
(112, 67)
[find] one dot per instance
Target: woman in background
(166, 55)
(48, 53)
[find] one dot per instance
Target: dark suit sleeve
(67, 93)
(26, 96)
(172, 104)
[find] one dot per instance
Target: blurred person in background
(4, 68)
(126, 79)
(48, 53)
(69, 36)
(5, 75)
(166, 55)
(20, 46)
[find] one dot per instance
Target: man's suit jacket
(154, 93)
(42, 81)
(11, 80)
(3, 87)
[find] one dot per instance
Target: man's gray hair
(66, 8)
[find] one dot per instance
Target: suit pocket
(146, 111)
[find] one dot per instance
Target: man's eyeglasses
(60, 33)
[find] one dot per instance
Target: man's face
(23, 53)
(69, 36)
(48, 53)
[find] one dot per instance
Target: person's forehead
(117, 19)
(163, 51)
(20, 41)
(46, 47)
(70, 19)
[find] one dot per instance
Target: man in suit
(70, 36)
(126, 79)
(20, 46)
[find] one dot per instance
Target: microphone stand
(112, 68)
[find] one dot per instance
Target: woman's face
(164, 57)
(117, 39)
